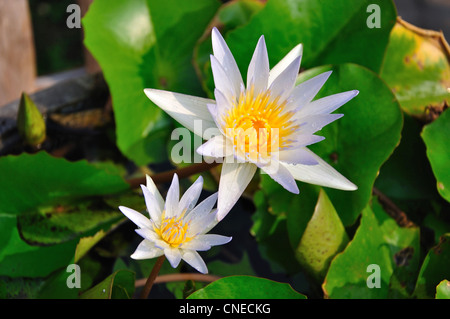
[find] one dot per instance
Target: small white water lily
(176, 228)
(267, 124)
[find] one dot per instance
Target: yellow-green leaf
(323, 238)
(30, 123)
(417, 68)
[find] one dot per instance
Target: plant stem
(179, 277)
(151, 278)
(167, 176)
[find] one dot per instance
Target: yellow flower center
(173, 231)
(259, 125)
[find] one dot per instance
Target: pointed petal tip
(299, 49)
(351, 187)
(215, 32)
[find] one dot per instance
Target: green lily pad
(434, 269)
(19, 259)
(37, 180)
(437, 139)
(119, 285)
(363, 139)
(332, 32)
(146, 44)
(380, 261)
(65, 222)
(246, 287)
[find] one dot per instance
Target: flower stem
(151, 278)
(167, 176)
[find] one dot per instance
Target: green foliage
(436, 138)
(416, 67)
(443, 290)
(322, 239)
(434, 269)
(372, 119)
(388, 239)
(246, 287)
(119, 285)
(381, 242)
(37, 180)
(145, 44)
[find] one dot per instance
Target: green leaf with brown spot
(417, 68)
(443, 290)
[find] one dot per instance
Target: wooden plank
(17, 53)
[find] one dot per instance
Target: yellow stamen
(173, 231)
(259, 125)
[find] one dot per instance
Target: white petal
(297, 156)
(201, 216)
(214, 110)
(302, 140)
(223, 105)
(321, 174)
(280, 174)
(214, 240)
(258, 69)
(222, 81)
(190, 197)
(204, 242)
(288, 58)
(147, 250)
(226, 59)
(217, 147)
(136, 217)
(173, 256)
(196, 244)
(282, 86)
(326, 104)
(234, 179)
(148, 234)
(193, 258)
(173, 198)
(303, 93)
(202, 209)
(204, 225)
(155, 192)
(314, 123)
(185, 109)
(153, 206)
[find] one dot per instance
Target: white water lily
(177, 227)
(267, 124)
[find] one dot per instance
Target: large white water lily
(177, 227)
(267, 123)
